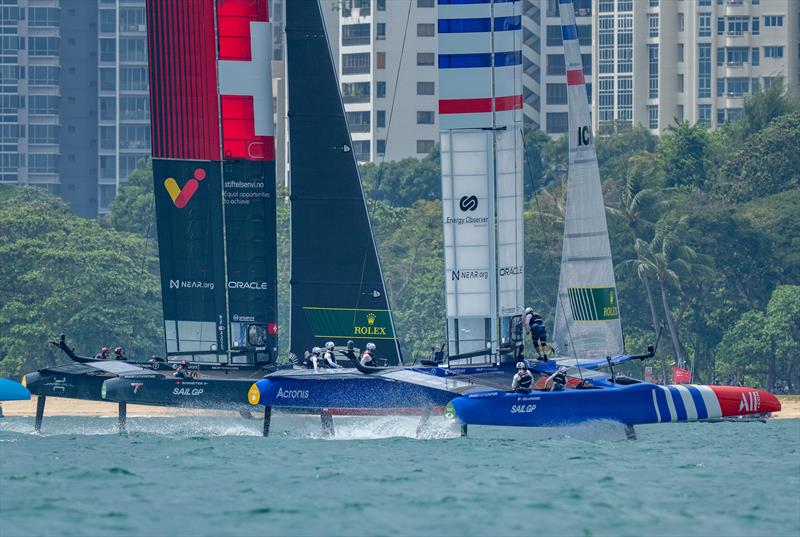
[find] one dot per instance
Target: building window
(380, 5)
(43, 46)
(720, 87)
(40, 105)
(425, 117)
(108, 167)
(625, 99)
(355, 34)
(129, 163)
(380, 60)
(624, 5)
(704, 25)
(625, 44)
(773, 52)
(42, 16)
(755, 58)
(133, 78)
(556, 65)
(355, 64)
(134, 136)
(720, 56)
(425, 3)
(704, 115)
(380, 146)
(43, 75)
(738, 56)
(652, 55)
(704, 70)
(556, 94)
(355, 92)
(738, 87)
(380, 90)
(134, 107)
(108, 79)
(426, 30)
(43, 134)
(652, 117)
(720, 25)
(680, 52)
(425, 58)
(557, 122)
(679, 112)
(380, 31)
(606, 6)
(380, 119)
(362, 5)
(606, 100)
(681, 22)
(704, 3)
(606, 44)
(132, 20)
(361, 150)
(425, 146)
(652, 23)
(108, 108)
(653, 3)
(358, 121)
(756, 26)
(554, 36)
(42, 163)
(132, 49)
(108, 21)
(108, 138)
(426, 88)
(738, 25)
(773, 21)
(680, 83)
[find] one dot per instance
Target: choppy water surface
(216, 476)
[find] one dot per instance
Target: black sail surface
(337, 285)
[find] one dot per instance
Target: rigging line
(552, 261)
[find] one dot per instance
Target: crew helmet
(184, 362)
(521, 365)
(329, 345)
(117, 350)
(104, 349)
(315, 350)
(370, 346)
(563, 369)
(528, 310)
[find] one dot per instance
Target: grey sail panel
(587, 314)
(337, 289)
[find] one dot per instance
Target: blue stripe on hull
(680, 408)
(663, 407)
(700, 405)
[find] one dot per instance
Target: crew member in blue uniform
(368, 358)
(329, 356)
(558, 380)
(534, 324)
(523, 380)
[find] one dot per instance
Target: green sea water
(196, 475)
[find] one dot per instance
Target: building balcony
(359, 127)
(350, 99)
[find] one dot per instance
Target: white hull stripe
(673, 414)
(655, 406)
(688, 403)
(711, 401)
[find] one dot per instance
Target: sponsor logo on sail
(468, 203)
(186, 284)
(248, 285)
(510, 271)
(370, 329)
(750, 402)
(181, 196)
(457, 275)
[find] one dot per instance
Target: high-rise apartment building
(388, 76)
(658, 61)
(123, 102)
(48, 99)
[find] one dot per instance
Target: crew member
(330, 357)
(183, 370)
(558, 380)
(523, 380)
(368, 358)
(316, 361)
(534, 324)
(102, 355)
(119, 354)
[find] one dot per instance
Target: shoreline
(58, 406)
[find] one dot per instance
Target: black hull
(220, 394)
(73, 382)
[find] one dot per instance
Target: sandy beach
(57, 406)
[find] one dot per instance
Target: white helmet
(329, 345)
(370, 346)
(528, 310)
(563, 369)
(521, 365)
(315, 350)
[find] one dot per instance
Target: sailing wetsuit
(182, 372)
(368, 360)
(523, 381)
(559, 380)
(330, 359)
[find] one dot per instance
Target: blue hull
(13, 391)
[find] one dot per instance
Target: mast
(480, 122)
(214, 174)
(587, 314)
(337, 287)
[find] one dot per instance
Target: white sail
(480, 120)
(587, 315)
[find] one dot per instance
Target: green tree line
(704, 227)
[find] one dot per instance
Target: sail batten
(587, 315)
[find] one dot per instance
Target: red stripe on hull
(740, 401)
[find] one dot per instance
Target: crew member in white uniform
(368, 358)
(523, 380)
(330, 357)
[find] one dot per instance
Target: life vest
(367, 359)
(525, 381)
(559, 381)
(329, 356)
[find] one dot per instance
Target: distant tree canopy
(704, 227)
